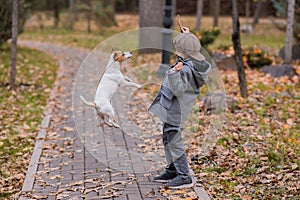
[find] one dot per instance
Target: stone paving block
(55, 162)
(78, 166)
(131, 189)
(134, 197)
(51, 197)
(37, 187)
(47, 190)
(76, 195)
(121, 197)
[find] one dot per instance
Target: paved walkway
(75, 158)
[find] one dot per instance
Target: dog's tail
(87, 102)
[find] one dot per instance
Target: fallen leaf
(150, 194)
(294, 166)
(66, 128)
(182, 191)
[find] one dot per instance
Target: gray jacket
(179, 90)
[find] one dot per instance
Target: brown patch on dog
(119, 56)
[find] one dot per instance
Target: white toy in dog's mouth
(127, 54)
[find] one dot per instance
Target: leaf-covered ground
(258, 151)
(21, 112)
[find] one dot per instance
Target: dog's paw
(139, 86)
(116, 125)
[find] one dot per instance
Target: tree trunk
(238, 50)
(289, 32)
(76, 12)
(56, 13)
(151, 15)
(216, 12)
(247, 11)
(71, 13)
(14, 39)
(113, 10)
(88, 16)
(174, 3)
(107, 17)
(199, 15)
(257, 12)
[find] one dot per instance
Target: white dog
(111, 80)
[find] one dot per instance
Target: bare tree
(71, 13)
(256, 12)
(89, 15)
(289, 32)
(216, 12)
(151, 15)
(199, 14)
(174, 11)
(236, 40)
(56, 12)
(14, 38)
(247, 9)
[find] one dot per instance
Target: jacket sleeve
(179, 80)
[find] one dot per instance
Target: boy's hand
(185, 29)
(178, 67)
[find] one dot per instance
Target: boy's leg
(175, 154)
(170, 171)
(182, 166)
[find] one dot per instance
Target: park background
(258, 153)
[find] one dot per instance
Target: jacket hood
(200, 70)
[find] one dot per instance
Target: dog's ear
(117, 55)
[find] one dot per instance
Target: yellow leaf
(286, 126)
(283, 79)
(298, 71)
(168, 191)
(292, 140)
(246, 197)
(256, 50)
(182, 191)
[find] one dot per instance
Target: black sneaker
(180, 182)
(165, 177)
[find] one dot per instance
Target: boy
(174, 102)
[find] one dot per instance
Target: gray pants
(174, 150)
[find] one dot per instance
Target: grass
(21, 111)
(265, 35)
(64, 37)
(78, 37)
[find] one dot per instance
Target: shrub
(256, 58)
(207, 37)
